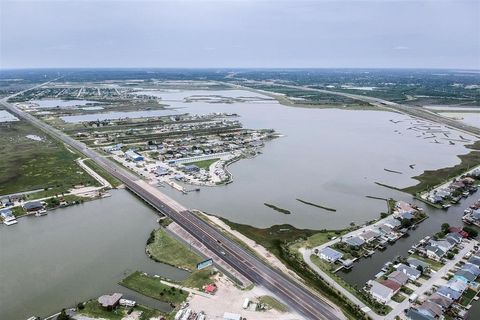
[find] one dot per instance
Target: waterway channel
(76, 253)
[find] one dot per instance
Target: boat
(40, 213)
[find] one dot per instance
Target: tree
(420, 268)
(445, 227)
(63, 315)
(472, 233)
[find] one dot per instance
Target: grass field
(204, 164)
(27, 164)
(104, 174)
(273, 303)
(153, 288)
(169, 250)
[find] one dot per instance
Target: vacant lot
(27, 164)
(152, 287)
(169, 250)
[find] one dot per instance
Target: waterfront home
(404, 207)
(434, 253)
(413, 314)
(33, 206)
(380, 292)
(458, 230)
(431, 309)
(110, 301)
(399, 277)
(465, 276)
(449, 293)
(406, 216)
(413, 274)
(329, 254)
(440, 300)
(8, 217)
(457, 285)
(414, 263)
(454, 238)
(442, 244)
(394, 285)
(368, 235)
(435, 198)
(393, 223)
(384, 229)
(354, 242)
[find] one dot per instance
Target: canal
(76, 253)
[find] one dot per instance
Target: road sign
(204, 264)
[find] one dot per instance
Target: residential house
(394, 285)
(442, 244)
(404, 207)
(431, 309)
(33, 206)
(399, 277)
(474, 259)
(412, 273)
(434, 253)
(472, 268)
(440, 300)
(329, 254)
(393, 223)
(110, 301)
(414, 263)
(457, 285)
(413, 314)
(406, 216)
(449, 293)
(380, 292)
(465, 276)
(454, 238)
(354, 241)
(368, 235)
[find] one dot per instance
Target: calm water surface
(76, 253)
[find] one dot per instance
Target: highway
(302, 300)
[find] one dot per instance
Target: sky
(240, 34)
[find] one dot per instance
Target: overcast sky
(426, 34)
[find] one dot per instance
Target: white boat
(10, 222)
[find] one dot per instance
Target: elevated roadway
(298, 297)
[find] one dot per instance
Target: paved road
(304, 301)
(435, 279)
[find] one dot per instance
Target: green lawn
(398, 297)
(153, 288)
(435, 265)
(273, 303)
(27, 164)
(103, 173)
(169, 250)
(203, 164)
(198, 279)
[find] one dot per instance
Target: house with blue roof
(465, 276)
(329, 254)
(449, 293)
(472, 268)
(354, 242)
